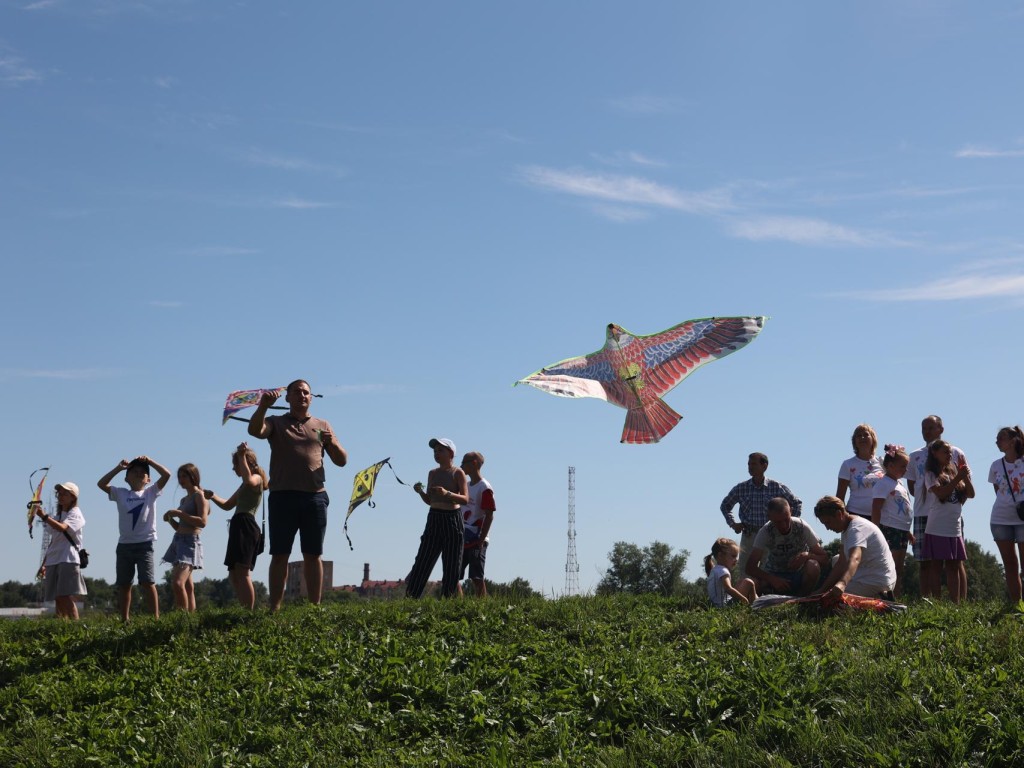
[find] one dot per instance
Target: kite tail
(648, 424)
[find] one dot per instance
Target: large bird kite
(635, 372)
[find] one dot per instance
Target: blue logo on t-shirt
(135, 512)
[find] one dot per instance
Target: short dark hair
(288, 389)
(137, 464)
(778, 504)
(761, 458)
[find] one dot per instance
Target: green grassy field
(577, 682)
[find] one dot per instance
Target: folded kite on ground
(635, 372)
(830, 604)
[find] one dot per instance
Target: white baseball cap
(69, 487)
(436, 441)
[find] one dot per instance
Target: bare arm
(226, 504)
(841, 487)
(164, 472)
(104, 482)
(197, 520)
(258, 426)
(334, 449)
(731, 590)
(845, 570)
(876, 511)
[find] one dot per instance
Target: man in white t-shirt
(865, 565)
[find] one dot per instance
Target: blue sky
(412, 205)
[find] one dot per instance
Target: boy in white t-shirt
(136, 520)
(477, 517)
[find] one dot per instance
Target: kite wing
(634, 372)
(672, 355)
(37, 496)
(245, 398)
(590, 375)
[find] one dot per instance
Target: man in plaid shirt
(753, 496)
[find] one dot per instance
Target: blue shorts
(185, 549)
(1008, 533)
(795, 579)
(132, 556)
(474, 558)
(291, 512)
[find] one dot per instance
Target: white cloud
(626, 189)
(981, 285)
(297, 203)
(264, 159)
(620, 214)
(979, 152)
(14, 71)
(67, 374)
(628, 157)
(39, 5)
(357, 389)
(165, 81)
(806, 231)
(213, 251)
(647, 104)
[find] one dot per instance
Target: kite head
(614, 332)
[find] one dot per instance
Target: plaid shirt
(753, 500)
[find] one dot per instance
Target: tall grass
(578, 681)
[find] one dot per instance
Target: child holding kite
(186, 550)
(245, 538)
(61, 569)
(724, 554)
(446, 491)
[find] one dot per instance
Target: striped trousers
(442, 538)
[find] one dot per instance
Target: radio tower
(572, 568)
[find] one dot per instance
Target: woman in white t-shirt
(860, 472)
(947, 487)
(1007, 477)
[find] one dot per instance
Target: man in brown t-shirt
(297, 501)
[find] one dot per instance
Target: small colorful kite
(635, 372)
(247, 398)
(37, 496)
(362, 489)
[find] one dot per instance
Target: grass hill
(577, 682)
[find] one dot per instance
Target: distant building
(295, 584)
(380, 590)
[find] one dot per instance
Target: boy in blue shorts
(136, 519)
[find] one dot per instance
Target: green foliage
(620, 681)
(653, 570)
